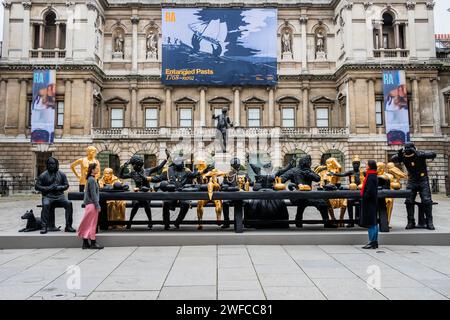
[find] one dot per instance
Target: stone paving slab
(227, 272)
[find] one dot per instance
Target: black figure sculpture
(176, 178)
(33, 223)
(223, 123)
(266, 209)
(232, 182)
(416, 164)
(304, 175)
(356, 177)
(141, 178)
(52, 183)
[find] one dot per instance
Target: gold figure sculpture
(384, 181)
(356, 162)
(394, 174)
(210, 179)
(116, 208)
(328, 177)
(83, 163)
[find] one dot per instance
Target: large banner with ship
(215, 46)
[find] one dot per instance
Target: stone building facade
(328, 100)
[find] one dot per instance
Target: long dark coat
(368, 216)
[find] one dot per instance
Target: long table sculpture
(239, 197)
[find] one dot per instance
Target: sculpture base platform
(189, 236)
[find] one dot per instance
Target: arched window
(109, 159)
(333, 153)
(49, 37)
(296, 153)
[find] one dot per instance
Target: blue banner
(396, 111)
(215, 46)
(43, 106)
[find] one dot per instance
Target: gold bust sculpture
(83, 163)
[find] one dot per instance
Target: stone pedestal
(321, 56)
(117, 56)
(287, 56)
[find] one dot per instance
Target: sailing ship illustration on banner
(219, 46)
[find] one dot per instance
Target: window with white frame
(288, 116)
(60, 114)
(379, 112)
(185, 117)
(117, 118)
(322, 117)
(151, 117)
(254, 117)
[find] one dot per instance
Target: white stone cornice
(367, 5)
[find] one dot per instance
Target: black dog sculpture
(33, 223)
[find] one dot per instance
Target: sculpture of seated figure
(141, 178)
(52, 183)
(233, 181)
(210, 180)
(116, 208)
(356, 177)
(303, 175)
(330, 181)
(175, 178)
(266, 209)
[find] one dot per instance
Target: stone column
(436, 110)
(416, 106)
(169, 107)
(26, 30)
(348, 44)
(67, 106)
(134, 57)
(371, 104)
(410, 6)
(90, 30)
(57, 35)
(305, 107)
(397, 35)
(430, 15)
(303, 21)
(369, 26)
(351, 105)
(22, 105)
(41, 35)
(380, 36)
(271, 108)
(3, 83)
(202, 106)
(88, 106)
(134, 107)
(5, 44)
(237, 106)
(69, 29)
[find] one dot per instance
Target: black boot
(410, 211)
(44, 230)
(69, 229)
(371, 245)
(86, 244)
(95, 245)
(421, 223)
(428, 208)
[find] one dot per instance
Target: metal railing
(391, 53)
(210, 132)
(47, 53)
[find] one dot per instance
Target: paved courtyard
(224, 272)
(227, 272)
